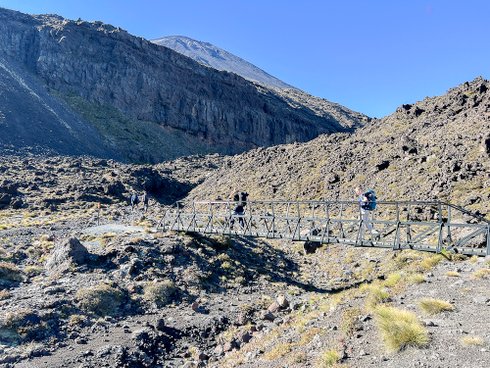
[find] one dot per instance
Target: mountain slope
(30, 116)
(147, 101)
(217, 58)
(438, 148)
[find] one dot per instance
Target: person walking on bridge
(367, 203)
(240, 199)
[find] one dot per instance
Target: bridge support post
(488, 240)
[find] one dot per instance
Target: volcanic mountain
(79, 87)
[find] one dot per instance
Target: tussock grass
(416, 278)
(472, 341)
(452, 274)
(400, 328)
(483, 273)
(10, 272)
(392, 280)
(435, 306)
(328, 359)
(101, 299)
(376, 295)
(161, 293)
(430, 262)
(278, 351)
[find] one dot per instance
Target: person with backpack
(134, 200)
(145, 199)
(367, 204)
(240, 199)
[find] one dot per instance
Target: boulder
(69, 252)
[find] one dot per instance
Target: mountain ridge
(148, 102)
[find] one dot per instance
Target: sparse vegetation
(431, 261)
(400, 328)
(453, 274)
(483, 273)
(161, 293)
(328, 359)
(416, 278)
(10, 272)
(102, 299)
(472, 341)
(435, 306)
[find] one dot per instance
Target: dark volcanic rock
(102, 68)
(69, 252)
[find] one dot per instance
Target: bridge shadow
(249, 259)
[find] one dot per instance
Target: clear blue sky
(369, 55)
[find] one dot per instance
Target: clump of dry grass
(10, 272)
(472, 341)
(161, 293)
(452, 274)
(350, 320)
(435, 306)
(102, 299)
(416, 278)
(483, 273)
(328, 359)
(400, 328)
(376, 295)
(430, 262)
(278, 351)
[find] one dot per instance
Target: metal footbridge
(425, 226)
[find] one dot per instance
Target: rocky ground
(86, 287)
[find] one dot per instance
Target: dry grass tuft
(453, 274)
(472, 341)
(400, 328)
(161, 293)
(278, 351)
(416, 278)
(432, 261)
(435, 306)
(483, 273)
(101, 299)
(10, 272)
(328, 359)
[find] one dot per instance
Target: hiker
(134, 200)
(240, 199)
(367, 203)
(145, 199)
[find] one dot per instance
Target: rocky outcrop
(107, 68)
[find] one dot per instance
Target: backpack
(241, 198)
(370, 205)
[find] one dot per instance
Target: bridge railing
(429, 226)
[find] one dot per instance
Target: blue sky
(369, 55)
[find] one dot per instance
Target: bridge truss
(425, 226)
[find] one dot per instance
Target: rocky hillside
(214, 57)
(438, 148)
(217, 58)
(147, 102)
